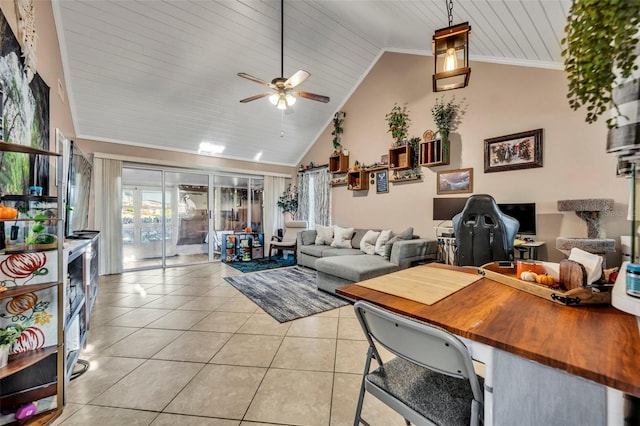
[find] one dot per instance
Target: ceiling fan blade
(297, 78)
(311, 96)
(254, 79)
(253, 98)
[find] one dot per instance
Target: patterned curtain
(314, 197)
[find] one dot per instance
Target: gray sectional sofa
(337, 267)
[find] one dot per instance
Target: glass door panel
(142, 218)
(189, 214)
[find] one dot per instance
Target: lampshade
(282, 100)
(451, 57)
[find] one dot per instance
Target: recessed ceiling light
(210, 148)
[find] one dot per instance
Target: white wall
(501, 100)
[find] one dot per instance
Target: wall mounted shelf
(400, 157)
(357, 180)
(338, 163)
(434, 153)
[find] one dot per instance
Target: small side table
(531, 248)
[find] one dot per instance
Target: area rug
(263, 264)
(286, 294)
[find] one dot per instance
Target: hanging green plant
(398, 121)
(414, 143)
(338, 121)
(601, 35)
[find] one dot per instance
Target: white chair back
(291, 229)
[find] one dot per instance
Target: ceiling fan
(281, 95)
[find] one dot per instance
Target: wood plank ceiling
(163, 73)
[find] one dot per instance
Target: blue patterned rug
(263, 264)
(286, 294)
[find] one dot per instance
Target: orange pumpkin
(21, 303)
(8, 212)
(545, 280)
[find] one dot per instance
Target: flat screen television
(78, 191)
(447, 208)
(525, 213)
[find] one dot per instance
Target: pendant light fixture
(451, 55)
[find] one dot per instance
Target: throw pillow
(342, 237)
(325, 235)
(381, 241)
(368, 242)
(407, 234)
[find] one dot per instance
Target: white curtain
(314, 197)
(273, 189)
(108, 212)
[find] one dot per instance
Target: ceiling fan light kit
(282, 96)
(451, 55)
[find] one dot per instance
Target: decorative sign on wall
(25, 118)
(382, 182)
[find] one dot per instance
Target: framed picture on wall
(513, 152)
(457, 181)
(382, 182)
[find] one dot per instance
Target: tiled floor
(183, 347)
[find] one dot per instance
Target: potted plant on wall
(447, 116)
(398, 121)
(288, 201)
(597, 47)
(338, 129)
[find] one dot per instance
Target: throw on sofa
(347, 255)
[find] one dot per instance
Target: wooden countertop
(596, 342)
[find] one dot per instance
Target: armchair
(289, 238)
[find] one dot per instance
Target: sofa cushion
(355, 268)
(407, 234)
(315, 250)
(357, 237)
(342, 237)
(308, 237)
(325, 234)
(332, 251)
(382, 241)
(368, 242)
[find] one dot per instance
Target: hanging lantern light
(451, 55)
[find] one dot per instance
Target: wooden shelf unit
(338, 163)
(36, 373)
(358, 180)
(433, 153)
(400, 157)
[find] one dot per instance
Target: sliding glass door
(172, 218)
(189, 222)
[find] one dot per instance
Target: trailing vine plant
(601, 36)
(338, 121)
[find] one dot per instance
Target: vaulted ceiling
(163, 74)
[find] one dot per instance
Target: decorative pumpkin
(529, 276)
(23, 265)
(21, 303)
(546, 280)
(30, 339)
(8, 212)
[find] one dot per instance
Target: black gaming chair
(483, 233)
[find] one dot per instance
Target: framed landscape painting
(513, 152)
(459, 181)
